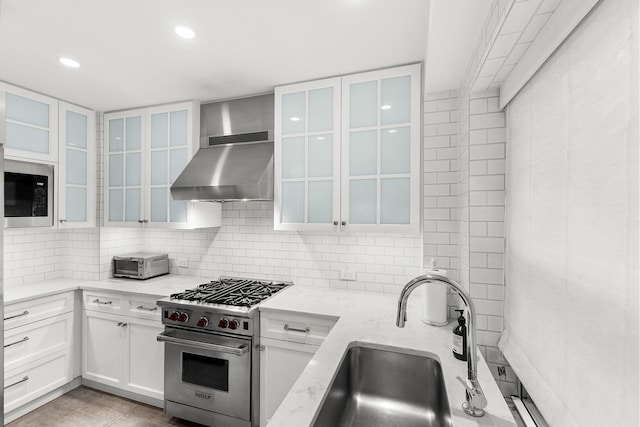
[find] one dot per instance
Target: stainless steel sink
(385, 387)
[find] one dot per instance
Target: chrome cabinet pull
(24, 313)
(25, 378)
(122, 324)
(62, 221)
(168, 338)
(304, 331)
(17, 342)
(142, 307)
(97, 301)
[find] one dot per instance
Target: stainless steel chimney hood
(235, 161)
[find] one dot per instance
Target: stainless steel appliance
(28, 194)
(140, 265)
(235, 160)
(212, 339)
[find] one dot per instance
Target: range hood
(235, 160)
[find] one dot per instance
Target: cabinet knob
(335, 222)
(62, 221)
(344, 222)
(261, 348)
(143, 221)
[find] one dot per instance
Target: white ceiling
(130, 56)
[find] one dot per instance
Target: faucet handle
(476, 400)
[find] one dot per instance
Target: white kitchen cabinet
(119, 347)
(38, 350)
(145, 152)
(287, 343)
(77, 167)
(369, 179)
(31, 125)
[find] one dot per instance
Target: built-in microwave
(28, 194)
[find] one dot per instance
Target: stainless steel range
(212, 334)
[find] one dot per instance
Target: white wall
(571, 310)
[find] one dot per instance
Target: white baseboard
(123, 393)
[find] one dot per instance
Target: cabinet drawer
(295, 327)
(29, 382)
(104, 302)
(142, 306)
(22, 313)
(36, 340)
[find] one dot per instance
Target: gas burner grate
(232, 291)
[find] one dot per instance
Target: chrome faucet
(476, 401)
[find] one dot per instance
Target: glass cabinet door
(307, 153)
(381, 149)
(124, 142)
(77, 172)
(31, 124)
(169, 136)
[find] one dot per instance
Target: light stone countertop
(160, 287)
(370, 318)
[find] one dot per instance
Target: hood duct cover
(236, 163)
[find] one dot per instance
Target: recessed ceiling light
(185, 32)
(68, 62)
(385, 107)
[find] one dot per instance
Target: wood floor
(86, 407)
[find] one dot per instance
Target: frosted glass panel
(76, 204)
(362, 201)
(363, 109)
(115, 205)
(394, 201)
(321, 155)
(293, 157)
(159, 167)
(292, 202)
(159, 204)
(27, 138)
(116, 135)
(320, 208)
(76, 167)
(321, 110)
(179, 128)
(116, 170)
(132, 203)
(396, 100)
(134, 133)
(178, 161)
(293, 113)
(363, 153)
(395, 150)
(133, 169)
(76, 130)
(178, 210)
(27, 110)
(159, 130)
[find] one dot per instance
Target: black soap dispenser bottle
(460, 338)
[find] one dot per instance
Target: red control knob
(173, 316)
(223, 323)
(203, 322)
(183, 317)
(233, 324)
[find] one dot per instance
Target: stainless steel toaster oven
(141, 265)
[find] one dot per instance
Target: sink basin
(385, 387)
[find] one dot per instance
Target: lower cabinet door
(30, 381)
(281, 363)
(144, 372)
(103, 348)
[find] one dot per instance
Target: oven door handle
(237, 351)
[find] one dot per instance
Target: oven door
(208, 371)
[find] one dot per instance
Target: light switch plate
(347, 275)
(182, 262)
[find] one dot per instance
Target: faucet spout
(475, 399)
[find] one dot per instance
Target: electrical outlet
(182, 262)
(502, 371)
(347, 275)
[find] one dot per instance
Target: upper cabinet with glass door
(347, 153)
(307, 156)
(31, 125)
(381, 150)
(76, 177)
